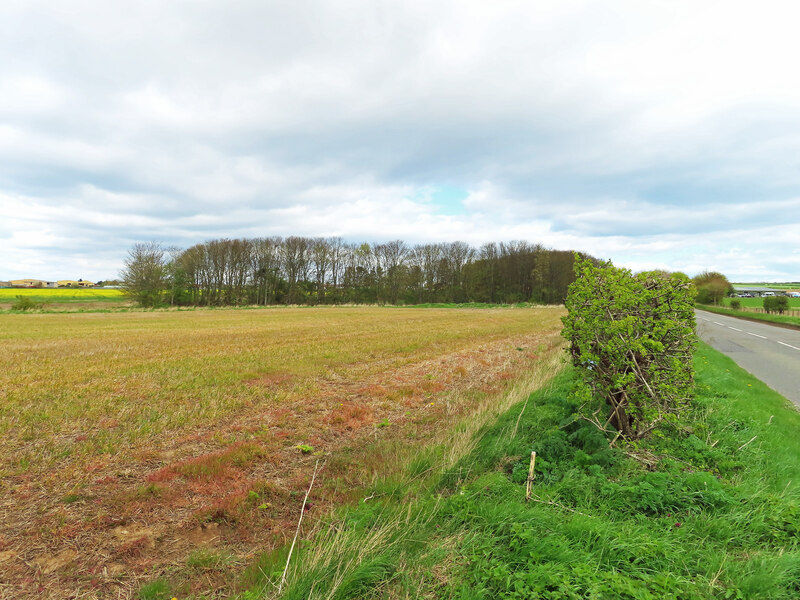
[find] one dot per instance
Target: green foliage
(711, 287)
(736, 304)
(144, 277)
(631, 337)
(25, 303)
(298, 270)
(775, 304)
(207, 559)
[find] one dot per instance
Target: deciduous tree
(711, 287)
(144, 277)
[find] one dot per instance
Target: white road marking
(788, 345)
(749, 333)
(763, 337)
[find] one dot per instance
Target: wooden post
(531, 477)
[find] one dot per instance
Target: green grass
(156, 590)
(794, 303)
(753, 316)
(780, 286)
(707, 510)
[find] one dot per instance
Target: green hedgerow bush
(776, 304)
(632, 338)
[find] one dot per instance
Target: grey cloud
(191, 120)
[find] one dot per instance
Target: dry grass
(135, 439)
(341, 552)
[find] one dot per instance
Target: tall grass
(348, 557)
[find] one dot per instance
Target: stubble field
(142, 444)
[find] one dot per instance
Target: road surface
(770, 353)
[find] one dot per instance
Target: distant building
(755, 291)
(28, 283)
(38, 283)
(71, 283)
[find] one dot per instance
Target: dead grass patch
(272, 381)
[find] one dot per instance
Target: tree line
(302, 270)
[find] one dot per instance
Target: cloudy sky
(654, 133)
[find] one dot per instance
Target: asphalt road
(770, 353)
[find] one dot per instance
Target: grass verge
(708, 510)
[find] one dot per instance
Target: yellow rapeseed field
(66, 299)
(57, 294)
(165, 422)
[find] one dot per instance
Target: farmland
(780, 286)
(794, 303)
(134, 442)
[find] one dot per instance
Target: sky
(656, 134)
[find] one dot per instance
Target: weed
(206, 559)
(24, 303)
(213, 465)
(151, 490)
(155, 590)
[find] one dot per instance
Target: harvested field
(143, 443)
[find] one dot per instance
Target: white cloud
(653, 133)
